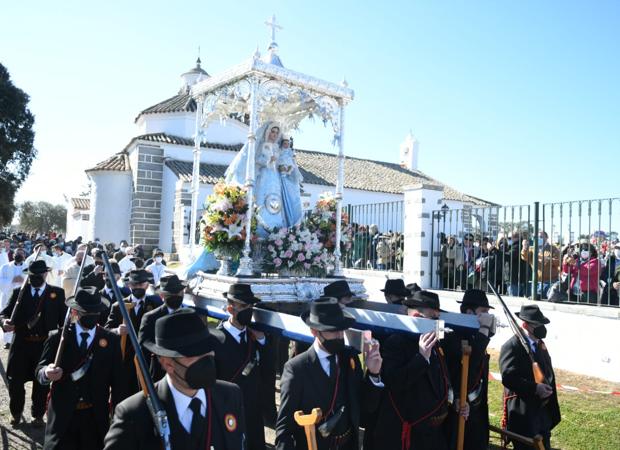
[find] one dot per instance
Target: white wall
(110, 202)
(76, 226)
(184, 125)
(167, 209)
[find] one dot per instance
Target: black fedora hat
(395, 287)
(425, 299)
(338, 289)
(139, 276)
(37, 267)
(412, 288)
(475, 298)
(88, 300)
(242, 293)
(182, 333)
(326, 314)
(532, 314)
(171, 284)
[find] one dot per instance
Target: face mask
(509, 241)
(200, 375)
(617, 254)
(99, 263)
(540, 332)
(138, 292)
(585, 254)
(36, 280)
(158, 259)
(245, 317)
(173, 301)
(89, 321)
(541, 242)
(333, 346)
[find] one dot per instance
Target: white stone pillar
(195, 178)
(339, 189)
(420, 202)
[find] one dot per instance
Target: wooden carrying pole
(535, 442)
(129, 306)
(466, 351)
(308, 421)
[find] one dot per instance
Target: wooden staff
(466, 351)
(308, 421)
(535, 442)
(140, 376)
(129, 306)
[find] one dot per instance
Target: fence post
(535, 256)
(432, 258)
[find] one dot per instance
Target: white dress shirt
(182, 401)
(78, 334)
(323, 355)
(40, 289)
(137, 303)
(236, 333)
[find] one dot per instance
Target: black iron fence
(375, 236)
(560, 252)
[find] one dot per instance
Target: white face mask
(158, 259)
(617, 253)
(585, 254)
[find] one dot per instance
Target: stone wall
(146, 200)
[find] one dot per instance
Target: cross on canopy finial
(271, 23)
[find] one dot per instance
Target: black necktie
(333, 366)
(196, 428)
(242, 339)
(84, 344)
(36, 294)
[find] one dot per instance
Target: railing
(574, 242)
(376, 234)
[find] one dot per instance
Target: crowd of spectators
(585, 271)
(372, 249)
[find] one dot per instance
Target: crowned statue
(277, 179)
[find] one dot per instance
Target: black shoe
(7, 346)
(15, 421)
(37, 422)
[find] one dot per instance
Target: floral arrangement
(297, 250)
(224, 220)
(322, 221)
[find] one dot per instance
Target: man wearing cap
(41, 310)
(417, 386)
(88, 375)
(531, 408)
(138, 304)
(203, 412)
(246, 359)
(328, 376)
(171, 291)
(395, 291)
(474, 302)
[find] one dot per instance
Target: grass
(589, 420)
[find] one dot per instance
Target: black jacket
(304, 385)
(147, 334)
(523, 406)
(415, 390)
(231, 358)
(105, 375)
(132, 427)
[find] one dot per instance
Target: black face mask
(108, 284)
(37, 280)
(173, 301)
(99, 263)
(89, 321)
(540, 332)
(138, 292)
(245, 317)
(333, 346)
(200, 375)
(19, 259)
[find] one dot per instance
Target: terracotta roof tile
(80, 203)
(117, 163)
(209, 173)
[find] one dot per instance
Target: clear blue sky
(511, 101)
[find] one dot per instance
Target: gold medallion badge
(103, 343)
(53, 295)
(231, 422)
(352, 361)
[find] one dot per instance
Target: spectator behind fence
(447, 263)
(548, 262)
(465, 260)
(611, 276)
(585, 273)
(520, 272)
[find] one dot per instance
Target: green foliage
(42, 217)
(16, 143)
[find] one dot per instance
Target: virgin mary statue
(269, 188)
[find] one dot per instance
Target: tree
(16, 143)
(42, 217)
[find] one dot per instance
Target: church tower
(409, 150)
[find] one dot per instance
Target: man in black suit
(203, 412)
(108, 294)
(328, 376)
(171, 291)
(246, 359)
(477, 426)
(138, 304)
(417, 386)
(395, 291)
(78, 413)
(94, 273)
(41, 310)
(531, 408)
